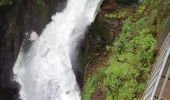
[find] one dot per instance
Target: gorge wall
(15, 20)
(32, 15)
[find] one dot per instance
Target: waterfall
(45, 70)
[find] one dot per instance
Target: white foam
(45, 72)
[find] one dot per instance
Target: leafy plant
(91, 84)
(118, 15)
(129, 66)
(131, 59)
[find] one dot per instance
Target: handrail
(157, 71)
(164, 84)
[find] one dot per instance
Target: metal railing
(157, 71)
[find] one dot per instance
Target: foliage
(128, 72)
(91, 84)
(141, 9)
(128, 68)
(90, 87)
(41, 3)
(118, 15)
(5, 2)
(132, 57)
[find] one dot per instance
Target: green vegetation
(119, 15)
(132, 53)
(92, 84)
(128, 69)
(41, 3)
(5, 2)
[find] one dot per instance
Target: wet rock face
(2, 27)
(8, 52)
(24, 16)
(60, 5)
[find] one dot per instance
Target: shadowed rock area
(15, 20)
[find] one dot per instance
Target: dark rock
(99, 94)
(127, 2)
(116, 24)
(108, 6)
(60, 5)
(2, 27)
(15, 20)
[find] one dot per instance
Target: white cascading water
(45, 71)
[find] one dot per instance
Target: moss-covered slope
(130, 57)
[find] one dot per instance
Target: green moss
(100, 29)
(91, 85)
(118, 15)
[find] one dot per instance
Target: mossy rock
(100, 29)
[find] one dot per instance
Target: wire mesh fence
(157, 71)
